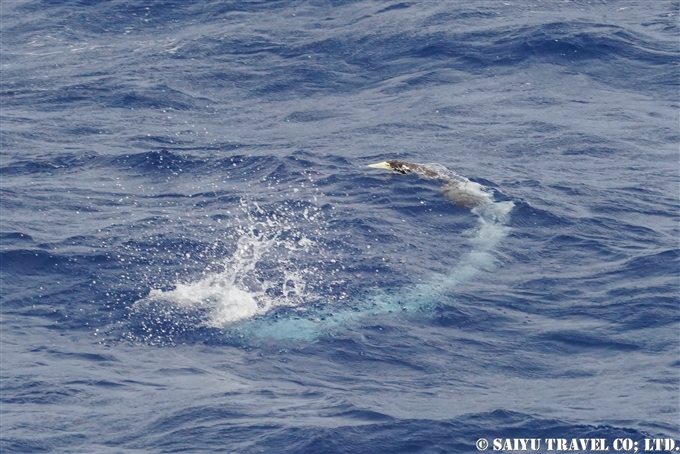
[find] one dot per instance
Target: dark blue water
(195, 257)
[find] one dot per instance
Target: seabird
(461, 191)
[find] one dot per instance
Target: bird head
(395, 166)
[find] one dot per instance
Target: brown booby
(461, 191)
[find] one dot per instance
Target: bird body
(461, 191)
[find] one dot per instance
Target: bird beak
(381, 165)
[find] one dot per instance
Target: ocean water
(194, 256)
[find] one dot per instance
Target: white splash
(259, 276)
